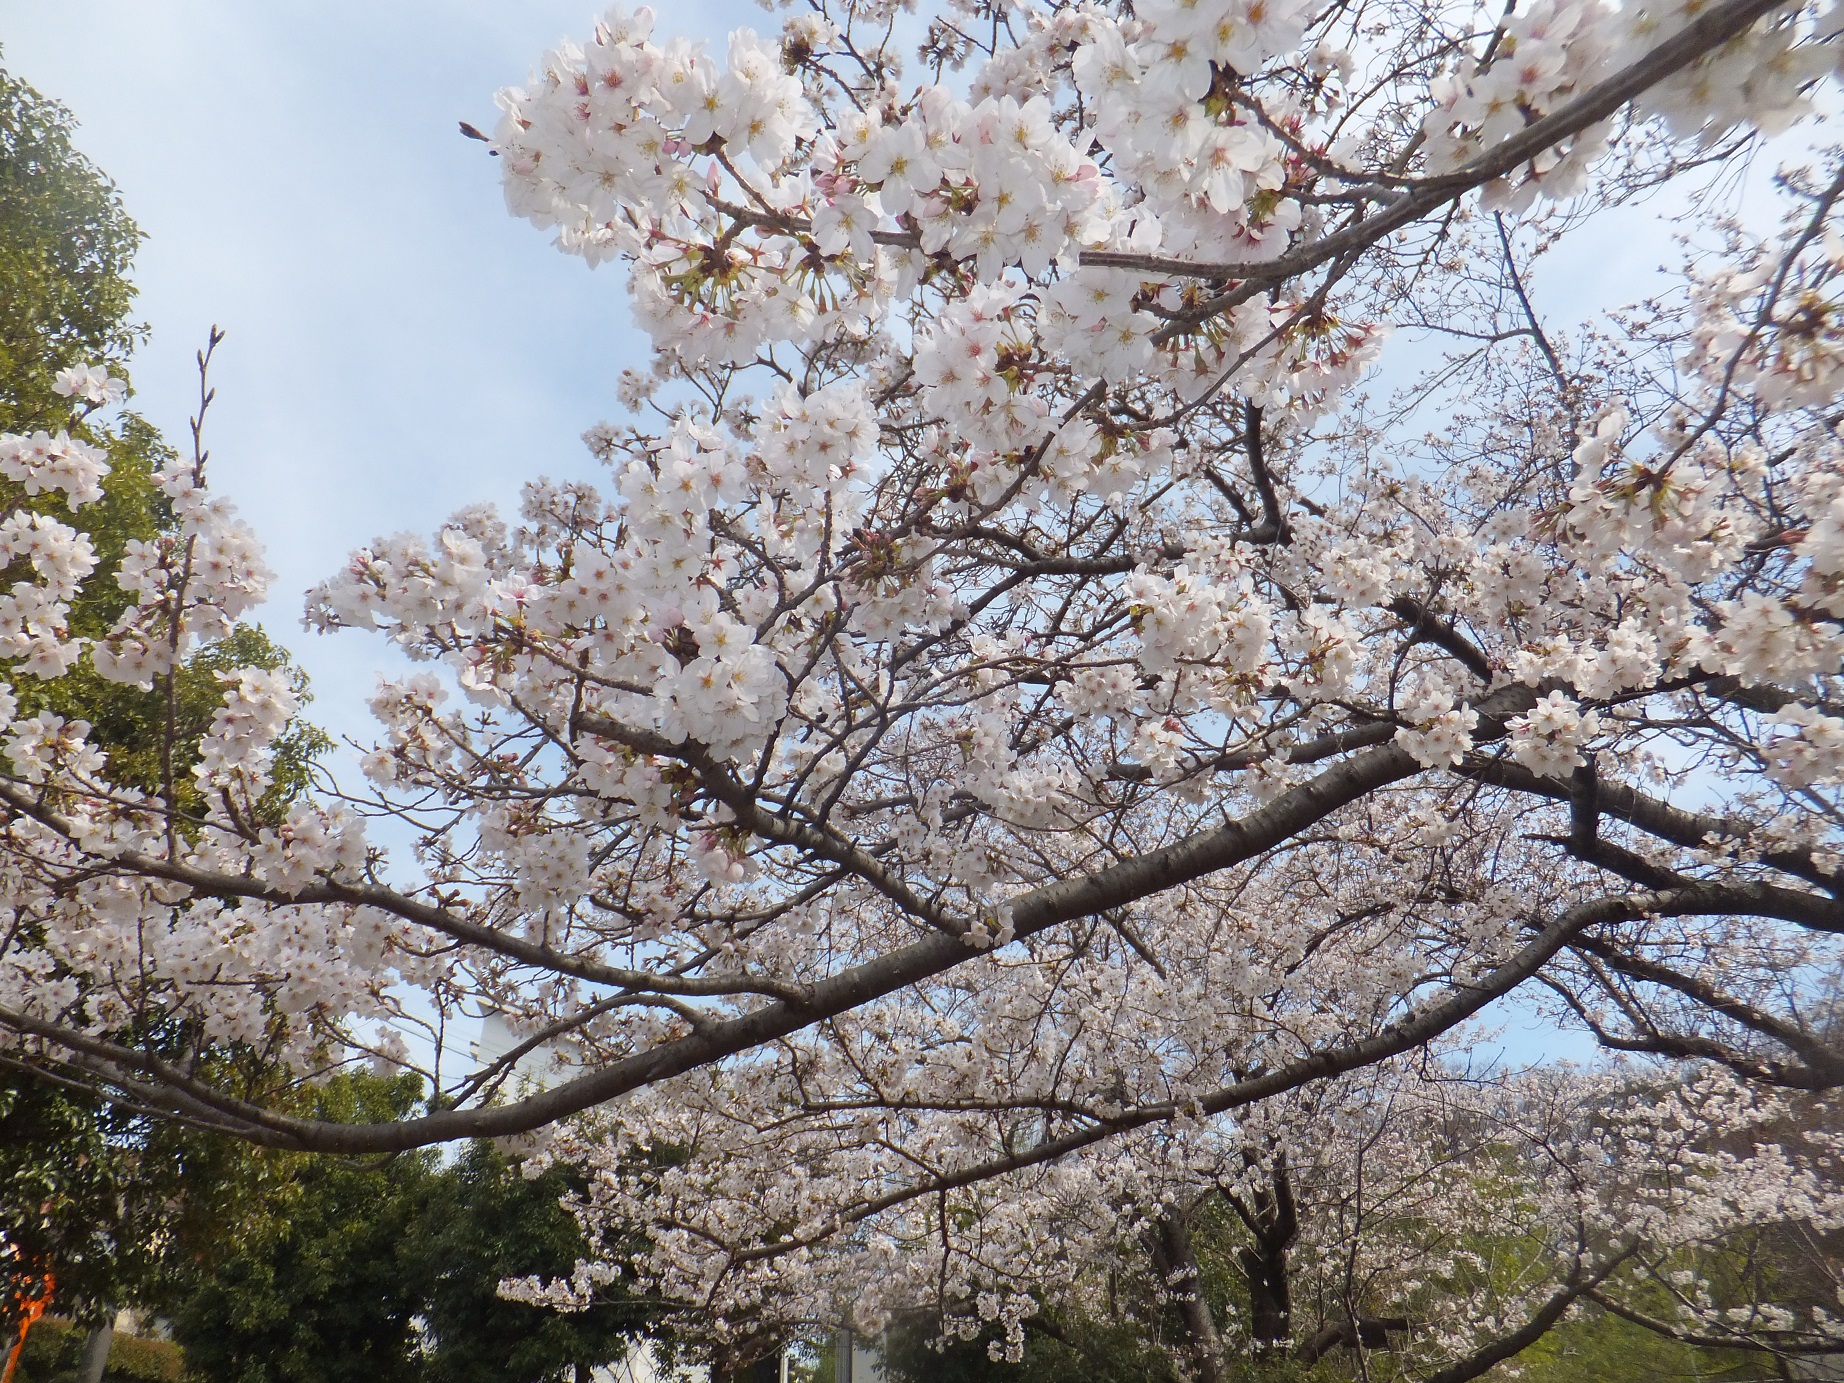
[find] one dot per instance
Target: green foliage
(156, 1361)
(120, 1205)
(59, 1204)
(811, 1361)
(322, 1287)
(387, 1271)
(131, 724)
(54, 1350)
(65, 246)
(483, 1222)
(1602, 1348)
(1057, 1347)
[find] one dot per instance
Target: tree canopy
(318, 1269)
(66, 244)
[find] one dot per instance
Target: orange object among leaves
(32, 1304)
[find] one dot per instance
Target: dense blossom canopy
(1019, 737)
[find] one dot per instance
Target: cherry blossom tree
(1023, 736)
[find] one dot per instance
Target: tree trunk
(1176, 1262)
(1273, 1225)
(96, 1353)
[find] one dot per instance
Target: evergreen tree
(484, 1222)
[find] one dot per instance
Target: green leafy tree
(65, 246)
(97, 1196)
(484, 1222)
(388, 1271)
(325, 1286)
(58, 1205)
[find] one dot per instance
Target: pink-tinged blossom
(90, 384)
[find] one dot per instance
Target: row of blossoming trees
(1024, 757)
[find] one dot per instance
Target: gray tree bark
(96, 1353)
